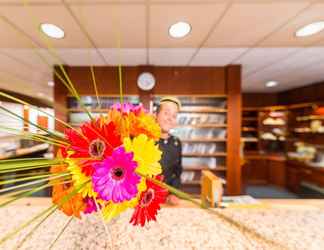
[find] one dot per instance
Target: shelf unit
(76, 114)
(254, 128)
(301, 119)
(273, 129)
(202, 127)
(249, 130)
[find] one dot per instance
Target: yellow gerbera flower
(111, 210)
(146, 154)
(80, 178)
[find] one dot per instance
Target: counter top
(292, 224)
(305, 165)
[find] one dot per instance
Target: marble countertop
(295, 224)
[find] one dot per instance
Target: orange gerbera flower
(131, 124)
(74, 206)
(144, 124)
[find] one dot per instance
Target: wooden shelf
(274, 125)
(204, 155)
(193, 182)
(204, 126)
(308, 132)
(274, 108)
(82, 110)
(302, 105)
(250, 139)
(250, 109)
(309, 118)
(203, 110)
(218, 168)
(204, 140)
(247, 129)
(249, 119)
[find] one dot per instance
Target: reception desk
(291, 224)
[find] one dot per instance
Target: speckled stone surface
(177, 228)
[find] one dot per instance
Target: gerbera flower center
(97, 148)
(118, 173)
(147, 198)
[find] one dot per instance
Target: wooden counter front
(298, 172)
(264, 169)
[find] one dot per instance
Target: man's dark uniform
(171, 160)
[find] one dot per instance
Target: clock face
(146, 81)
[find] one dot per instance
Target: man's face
(167, 117)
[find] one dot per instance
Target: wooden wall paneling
(259, 99)
(42, 121)
(234, 106)
(169, 80)
(277, 173)
(60, 101)
(31, 100)
(26, 117)
(310, 93)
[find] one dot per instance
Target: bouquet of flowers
(113, 161)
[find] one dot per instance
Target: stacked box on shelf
(273, 129)
(77, 115)
(306, 126)
(202, 131)
(250, 129)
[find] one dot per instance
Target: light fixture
(179, 29)
(50, 83)
(40, 94)
(271, 84)
(310, 29)
(52, 30)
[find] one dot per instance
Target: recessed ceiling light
(50, 83)
(52, 30)
(179, 29)
(310, 29)
(271, 84)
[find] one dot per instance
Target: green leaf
(30, 178)
(61, 232)
(64, 199)
(32, 231)
(32, 183)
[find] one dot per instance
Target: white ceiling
(259, 34)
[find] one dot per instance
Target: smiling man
(170, 145)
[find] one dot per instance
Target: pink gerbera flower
(90, 206)
(127, 108)
(115, 178)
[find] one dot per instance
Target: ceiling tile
(162, 16)
(21, 2)
(259, 58)
(167, 57)
(38, 59)
(81, 57)
(30, 17)
(106, 22)
(301, 60)
(245, 24)
(216, 57)
(286, 35)
(130, 57)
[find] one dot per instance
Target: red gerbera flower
(149, 204)
(96, 139)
